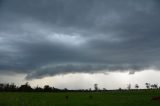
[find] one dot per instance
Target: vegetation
(27, 88)
(25, 95)
(108, 98)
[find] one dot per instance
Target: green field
(114, 98)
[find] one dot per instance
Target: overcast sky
(45, 38)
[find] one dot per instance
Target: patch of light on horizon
(111, 80)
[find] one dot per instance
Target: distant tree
(13, 87)
(96, 87)
(6, 87)
(136, 86)
(38, 89)
(53, 88)
(25, 87)
(119, 89)
(65, 89)
(154, 86)
(1, 87)
(104, 89)
(129, 86)
(147, 85)
(47, 88)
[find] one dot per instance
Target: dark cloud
(48, 37)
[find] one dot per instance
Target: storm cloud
(49, 37)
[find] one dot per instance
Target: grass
(110, 98)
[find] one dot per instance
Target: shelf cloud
(48, 37)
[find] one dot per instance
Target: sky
(76, 43)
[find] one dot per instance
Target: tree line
(27, 88)
(6, 87)
(148, 86)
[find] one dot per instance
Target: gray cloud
(43, 37)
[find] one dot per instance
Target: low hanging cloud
(48, 37)
(51, 70)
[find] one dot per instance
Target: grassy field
(116, 98)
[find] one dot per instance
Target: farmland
(108, 98)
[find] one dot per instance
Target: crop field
(108, 98)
